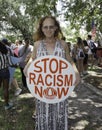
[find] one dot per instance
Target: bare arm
(33, 56)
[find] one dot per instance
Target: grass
(20, 116)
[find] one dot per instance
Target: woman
(80, 55)
(5, 62)
(51, 116)
(23, 52)
(85, 62)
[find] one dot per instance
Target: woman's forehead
(48, 21)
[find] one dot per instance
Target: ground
(85, 103)
(85, 107)
(95, 77)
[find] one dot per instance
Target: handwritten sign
(50, 79)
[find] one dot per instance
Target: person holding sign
(50, 116)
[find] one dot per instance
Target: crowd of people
(48, 42)
(84, 54)
(12, 56)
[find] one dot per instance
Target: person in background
(13, 80)
(69, 47)
(92, 50)
(80, 55)
(73, 53)
(48, 42)
(14, 47)
(5, 62)
(85, 62)
(99, 54)
(23, 52)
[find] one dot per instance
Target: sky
(61, 17)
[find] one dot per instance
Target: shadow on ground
(85, 109)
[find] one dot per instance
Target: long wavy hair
(39, 35)
(3, 48)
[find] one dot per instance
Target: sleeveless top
(51, 116)
(58, 51)
(80, 53)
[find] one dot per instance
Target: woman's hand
(25, 71)
(26, 67)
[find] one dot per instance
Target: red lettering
(62, 65)
(32, 77)
(60, 80)
(54, 80)
(45, 63)
(37, 67)
(46, 80)
(38, 91)
(53, 69)
(62, 91)
(68, 80)
(40, 80)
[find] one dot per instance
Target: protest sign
(50, 79)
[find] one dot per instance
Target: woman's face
(49, 28)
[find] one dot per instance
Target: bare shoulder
(35, 48)
(64, 44)
(37, 43)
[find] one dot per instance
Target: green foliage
(22, 15)
(24, 21)
(81, 12)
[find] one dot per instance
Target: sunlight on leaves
(81, 125)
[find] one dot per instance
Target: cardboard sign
(50, 79)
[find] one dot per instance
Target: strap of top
(59, 50)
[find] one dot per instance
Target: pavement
(85, 105)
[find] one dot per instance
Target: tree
(17, 15)
(81, 12)
(21, 16)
